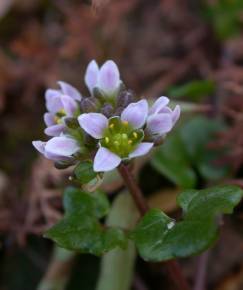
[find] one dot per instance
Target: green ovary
(121, 138)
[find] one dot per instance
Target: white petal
(69, 105)
(49, 119)
(69, 90)
(159, 104)
(136, 114)
(94, 124)
(62, 146)
(176, 114)
(91, 75)
(105, 160)
(55, 130)
(53, 101)
(52, 93)
(142, 149)
(159, 124)
(39, 146)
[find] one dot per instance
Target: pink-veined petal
(94, 124)
(62, 146)
(136, 114)
(109, 77)
(159, 124)
(105, 160)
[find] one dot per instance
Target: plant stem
(173, 268)
(133, 189)
(176, 275)
(200, 279)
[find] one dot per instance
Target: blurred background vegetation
(191, 51)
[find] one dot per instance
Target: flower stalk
(173, 268)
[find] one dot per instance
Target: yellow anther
(124, 136)
(62, 111)
(125, 123)
(57, 120)
(111, 126)
(135, 135)
(107, 140)
(116, 143)
(129, 142)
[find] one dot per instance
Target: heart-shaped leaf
(158, 238)
(80, 229)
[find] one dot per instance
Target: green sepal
(84, 172)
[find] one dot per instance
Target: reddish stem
(173, 267)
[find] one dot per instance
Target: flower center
(59, 115)
(120, 137)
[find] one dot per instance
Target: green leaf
(77, 201)
(150, 233)
(194, 89)
(225, 17)
(172, 161)
(84, 172)
(159, 239)
(196, 135)
(80, 229)
(187, 149)
(209, 202)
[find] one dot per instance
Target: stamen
(135, 135)
(125, 123)
(107, 140)
(116, 143)
(124, 136)
(56, 119)
(111, 126)
(129, 142)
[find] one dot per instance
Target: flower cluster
(108, 126)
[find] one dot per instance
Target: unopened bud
(118, 111)
(88, 105)
(64, 164)
(124, 99)
(107, 110)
